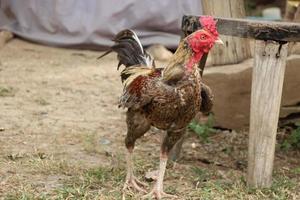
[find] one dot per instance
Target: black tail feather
(107, 52)
(129, 49)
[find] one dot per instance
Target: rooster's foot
(158, 194)
(133, 182)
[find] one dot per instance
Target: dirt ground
(61, 136)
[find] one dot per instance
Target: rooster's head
(191, 49)
(201, 41)
(204, 39)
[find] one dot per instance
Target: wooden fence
(267, 80)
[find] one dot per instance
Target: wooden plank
(267, 83)
(260, 30)
(235, 49)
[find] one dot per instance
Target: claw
(140, 182)
(156, 193)
(133, 182)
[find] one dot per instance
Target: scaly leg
(131, 180)
(137, 126)
(169, 141)
(158, 191)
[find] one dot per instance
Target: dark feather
(107, 52)
(207, 99)
(129, 49)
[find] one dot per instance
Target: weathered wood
(260, 30)
(267, 82)
(231, 86)
(235, 49)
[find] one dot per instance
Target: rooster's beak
(219, 41)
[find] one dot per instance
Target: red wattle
(193, 60)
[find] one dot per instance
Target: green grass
(6, 92)
(27, 192)
(106, 183)
(189, 181)
(296, 171)
(203, 131)
(94, 183)
(201, 174)
(282, 188)
(293, 140)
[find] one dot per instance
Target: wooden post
(267, 82)
(235, 49)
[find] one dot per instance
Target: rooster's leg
(158, 191)
(171, 138)
(137, 126)
(131, 180)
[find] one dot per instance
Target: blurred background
(62, 133)
(93, 23)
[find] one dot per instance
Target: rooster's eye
(202, 37)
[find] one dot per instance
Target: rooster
(166, 98)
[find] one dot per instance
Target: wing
(139, 86)
(207, 99)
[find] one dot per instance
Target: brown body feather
(167, 99)
(152, 102)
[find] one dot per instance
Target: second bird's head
(204, 39)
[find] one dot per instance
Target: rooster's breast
(174, 107)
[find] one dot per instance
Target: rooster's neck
(183, 63)
(185, 57)
(193, 60)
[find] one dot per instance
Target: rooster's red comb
(208, 23)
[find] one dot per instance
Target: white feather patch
(134, 72)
